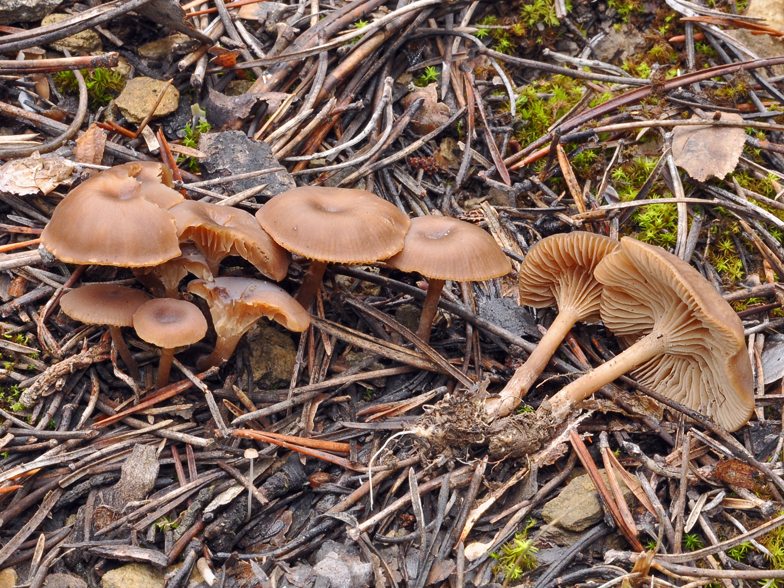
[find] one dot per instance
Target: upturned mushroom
(685, 341)
(558, 271)
(442, 248)
(333, 225)
(168, 324)
(235, 306)
(168, 275)
(220, 231)
(110, 305)
(115, 219)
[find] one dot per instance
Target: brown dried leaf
(89, 147)
(736, 472)
(709, 150)
(34, 173)
(432, 114)
(229, 112)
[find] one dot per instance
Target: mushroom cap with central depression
(169, 323)
(444, 248)
(705, 365)
(335, 225)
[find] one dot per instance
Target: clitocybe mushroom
(114, 219)
(442, 248)
(236, 304)
(169, 323)
(107, 304)
(558, 271)
(686, 341)
(220, 231)
(333, 225)
(173, 271)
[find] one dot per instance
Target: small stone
(64, 581)
(408, 316)
(238, 87)
(764, 45)
(174, 125)
(618, 45)
(272, 355)
(82, 43)
(162, 48)
(139, 97)
(14, 11)
(577, 507)
(133, 576)
(8, 578)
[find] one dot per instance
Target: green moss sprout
(102, 84)
(518, 556)
(429, 76)
(692, 541)
(191, 139)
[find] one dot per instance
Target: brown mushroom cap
(220, 231)
(152, 171)
(335, 225)
(444, 248)
(108, 220)
(558, 271)
(103, 304)
(706, 365)
(237, 303)
(173, 271)
(169, 323)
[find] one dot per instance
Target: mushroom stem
(125, 353)
(224, 347)
(429, 308)
(311, 283)
(643, 350)
(525, 376)
(164, 368)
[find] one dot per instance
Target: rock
(506, 313)
(618, 45)
(272, 355)
(232, 152)
(14, 11)
(82, 43)
(238, 87)
(764, 45)
(64, 581)
(174, 124)
(408, 316)
(133, 576)
(140, 95)
(577, 507)
(8, 578)
(342, 566)
(162, 48)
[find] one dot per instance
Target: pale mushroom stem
(164, 368)
(646, 348)
(224, 347)
(429, 308)
(311, 283)
(125, 353)
(525, 376)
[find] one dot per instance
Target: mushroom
(250, 454)
(685, 341)
(107, 304)
(333, 225)
(114, 219)
(558, 271)
(442, 248)
(170, 273)
(169, 323)
(220, 231)
(236, 304)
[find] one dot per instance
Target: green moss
(539, 113)
(429, 76)
(191, 139)
(102, 84)
(774, 542)
(625, 8)
(516, 557)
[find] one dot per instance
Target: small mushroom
(251, 454)
(169, 323)
(220, 231)
(107, 304)
(236, 304)
(685, 341)
(171, 273)
(333, 225)
(558, 271)
(114, 219)
(442, 248)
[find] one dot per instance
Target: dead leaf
(733, 471)
(259, 11)
(709, 150)
(432, 114)
(89, 147)
(33, 174)
(224, 57)
(229, 112)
